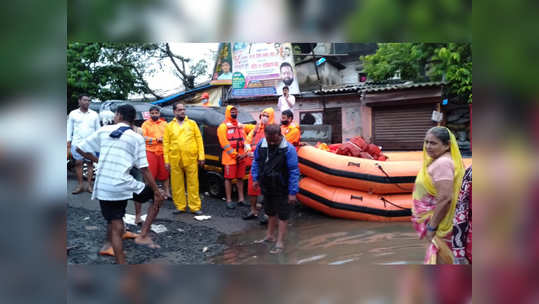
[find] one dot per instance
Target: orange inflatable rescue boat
(352, 204)
(362, 174)
(358, 173)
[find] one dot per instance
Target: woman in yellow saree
(435, 194)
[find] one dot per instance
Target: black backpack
(273, 174)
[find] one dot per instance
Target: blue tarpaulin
(249, 92)
(160, 101)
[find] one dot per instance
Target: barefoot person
(275, 170)
(81, 123)
(120, 149)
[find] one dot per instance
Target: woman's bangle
(431, 229)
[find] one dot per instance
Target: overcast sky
(165, 82)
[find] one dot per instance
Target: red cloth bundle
(358, 147)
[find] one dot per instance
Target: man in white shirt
(120, 149)
(286, 101)
(81, 123)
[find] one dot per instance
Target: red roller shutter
(401, 127)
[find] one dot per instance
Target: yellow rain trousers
(182, 149)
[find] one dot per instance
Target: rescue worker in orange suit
(231, 138)
(254, 137)
(183, 152)
(153, 130)
(205, 99)
(289, 129)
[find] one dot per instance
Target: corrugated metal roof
(339, 89)
(376, 87)
(406, 85)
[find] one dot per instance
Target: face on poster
(265, 65)
(223, 65)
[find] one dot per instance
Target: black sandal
(276, 250)
(264, 240)
(249, 216)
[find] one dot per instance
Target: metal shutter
(333, 117)
(401, 127)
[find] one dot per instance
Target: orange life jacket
(235, 135)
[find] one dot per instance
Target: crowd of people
(130, 160)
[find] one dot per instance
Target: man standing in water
(275, 170)
(120, 148)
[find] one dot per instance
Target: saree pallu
(441, 246)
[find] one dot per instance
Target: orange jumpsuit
(252, 141)
(232, 139)
(152, 131)
(292, 134)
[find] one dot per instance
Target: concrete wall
(366, 122)
(307, 80)
(255, 107)
(349, 75)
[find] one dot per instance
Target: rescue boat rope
(383, 199)
(388, 177)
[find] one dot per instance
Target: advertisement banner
(222, 72)
(263, 65)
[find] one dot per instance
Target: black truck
(208, 119)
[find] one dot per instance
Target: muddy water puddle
(323, 240)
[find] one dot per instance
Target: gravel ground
(182, 244)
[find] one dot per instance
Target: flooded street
(313, 238)
(322, 240)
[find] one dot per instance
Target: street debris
(158, 228)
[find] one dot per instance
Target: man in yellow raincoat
(183, 152)
(231, 136)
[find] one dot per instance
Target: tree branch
(185, 78)
(144, 83)
(171, 56)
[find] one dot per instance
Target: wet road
(321, 240)
(313, 238)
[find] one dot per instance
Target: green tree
(115, 70)
(106, 70)
(450, 62)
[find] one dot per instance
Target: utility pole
(319, 83)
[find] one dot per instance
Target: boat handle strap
(383, 199)
(354, 164)
(388, 177)
(356, 197)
